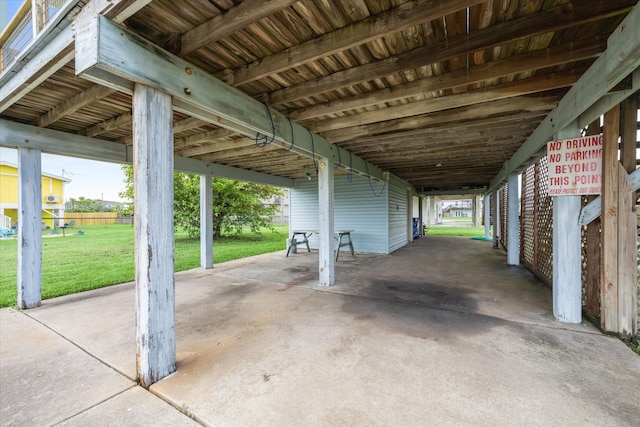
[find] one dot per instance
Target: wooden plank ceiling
(438, 92)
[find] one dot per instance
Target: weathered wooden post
(155, 286)
(206, 221)
(29, 228)
(567, 278)
(325, 201)
(496, 218)
(513, 221)
(487, 216)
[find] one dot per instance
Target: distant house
(458, 208)
(52, 195)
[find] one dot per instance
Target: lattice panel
(544, 222)
(527, 218)
(504, 214)
(583, 255)
(536, 219)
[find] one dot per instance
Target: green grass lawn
(444, 230)
(104, 256)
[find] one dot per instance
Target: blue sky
(90, 179)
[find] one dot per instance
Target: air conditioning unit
(52, 198)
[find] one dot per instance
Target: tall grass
(104, 256)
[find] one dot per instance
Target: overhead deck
(439, 93)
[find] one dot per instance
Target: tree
(235, 204)
(82, 204)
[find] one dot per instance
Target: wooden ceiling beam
(505, 108)
(443, 145)
(392, 21)
(589, 97)
(16, 135)
(115, 57)
(223, 25)
(73, 104)
(187, 124)
(522, 63)
(238, 153)
(107, 125)
(216, 147)
(434, 136)
(547, 21)
(208, 136)
(460, 126)
(510, 92)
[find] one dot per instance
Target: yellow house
(52, 196)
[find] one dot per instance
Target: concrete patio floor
(441, 332)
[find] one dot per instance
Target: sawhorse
(339, 235)
(303, 235)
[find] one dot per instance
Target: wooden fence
(91, 218)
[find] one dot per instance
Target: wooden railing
(24, 27)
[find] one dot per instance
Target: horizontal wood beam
(53, 48)
(512, 90)
(392, 21)
(16, 135)
(108, 54)
(235, 19)
(210, 135)
(513, 65)
(107, 125)
(16, 82)
(461, 193)
(474, 113)
(187, 124)
(217, 147)
(621, 58)
(594, 209)
(73, 104)
(547, 21)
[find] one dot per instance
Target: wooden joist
(115, 57)
(404, 16)
(491, 70)
(543, 22)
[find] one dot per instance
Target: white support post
(438, 212)
(206, 221)
(567, 265)
(433, 214)
(325, 202)
(420, 215)
(155, 283)
(513, 221)
(476, 213)
(29, 228)
(567, 287)
(496, 218)
(487, 216)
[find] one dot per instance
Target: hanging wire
(262, 140)
(292, 136)
(366, 165)
(349, 173)
(313, 151)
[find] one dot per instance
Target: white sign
(575, 166)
